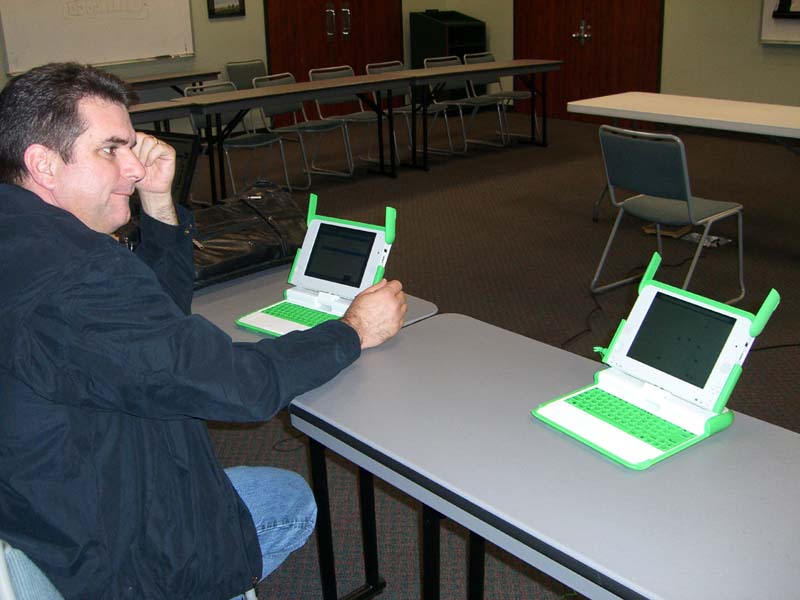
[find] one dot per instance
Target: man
(108, 480)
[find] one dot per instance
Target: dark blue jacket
(108, 480)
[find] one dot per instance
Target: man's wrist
(159, 206)
(347, 320)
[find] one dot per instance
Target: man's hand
(377, 313)
(155, 188)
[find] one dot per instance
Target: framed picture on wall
(780, 22)
(218, 9)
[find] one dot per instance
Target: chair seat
(364, 116)
(484, 100)
(510, 95)
(252, 140)
(318, 126)
(434, 107)
(675, 213)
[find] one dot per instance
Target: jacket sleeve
(167, 250)
(111, 338)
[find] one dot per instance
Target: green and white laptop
(673, 364)
(338, 259)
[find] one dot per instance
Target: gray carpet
(506, 236)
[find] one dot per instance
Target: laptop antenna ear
(312, 208)
(765, 312)
(391, 217)
(650, 271)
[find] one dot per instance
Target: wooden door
(323, 33)
(608, 46)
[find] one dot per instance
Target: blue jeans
(282, 507)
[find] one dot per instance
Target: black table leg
(392, 149)
(475, 569)
(220, 156)
(319, 479)
(414, 100)
(430, 553)
(544, 110)
(374, 584)
(212, 173)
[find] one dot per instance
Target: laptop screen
(340, 254)
(681, 339)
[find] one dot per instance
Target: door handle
(346, 21)
(330, 22)
(583, 33)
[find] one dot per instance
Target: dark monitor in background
(187, 149)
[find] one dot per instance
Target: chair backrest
(21, 579)
(218, 87)
(479, 58)
(447, 61)
(388, 67)
(653, 164)
(291, 107)
(333, 73)
(242, 72)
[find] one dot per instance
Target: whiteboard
(97, 32)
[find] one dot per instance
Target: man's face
(96, 184)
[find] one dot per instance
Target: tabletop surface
(733, 115)
(354, 84)
(225, 302)
(717, 520)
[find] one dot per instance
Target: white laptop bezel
(733, 352)
(377, 258)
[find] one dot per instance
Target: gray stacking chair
(361, 116)
(299, 128)
(249, 141)
(653, 167)
(242, 73)
(434, 109)
(469, 102)
(494, 89)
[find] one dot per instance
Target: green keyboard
(298, 314)
(630, 419)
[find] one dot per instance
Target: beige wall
(711, 48)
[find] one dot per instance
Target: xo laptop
(338, 259)
(673, 364)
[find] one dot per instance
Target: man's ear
(42, 165)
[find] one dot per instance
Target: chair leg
(739, 251)
(597, 289)
(740, 243)
(696, 256)
(304, 158)
(329, 172)
(230, 170)
(484, 142)
(285, 167)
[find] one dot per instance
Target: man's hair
(41, 107)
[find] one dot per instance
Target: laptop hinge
(318, 300)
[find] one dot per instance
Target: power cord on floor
(289, 444)
(776, 347)
(599, 308)
(588, 321)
